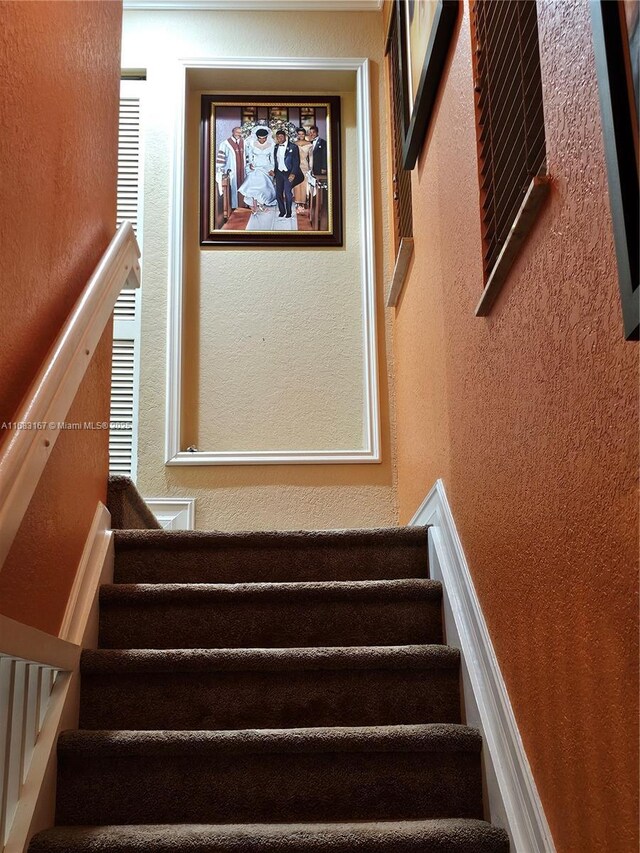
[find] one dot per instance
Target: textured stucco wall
(59, 79)
(531, 416)
(231, 376)
(40, 568)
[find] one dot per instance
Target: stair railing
(40, 419)
(32, 665)
(36, 668)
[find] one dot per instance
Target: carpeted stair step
(175, 556)
(268, 615)
(419, 836)
(269, 775)
(269, 688)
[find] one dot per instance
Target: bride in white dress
(258, 188)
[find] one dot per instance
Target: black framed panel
(270, 170)
(425, 28)
(616, 48)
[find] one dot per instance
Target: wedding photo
(270, 171)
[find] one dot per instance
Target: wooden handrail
(40, 419)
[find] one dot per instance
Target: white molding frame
(174, 513)
(26, 450)
(514, 802)
(253, 5)
(371, 449)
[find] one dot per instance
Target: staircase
(270, 692)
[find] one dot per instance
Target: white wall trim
(269, 457)
(174, 513)
(87, 577)
(514, 802)
(175, 453)
(249, 5)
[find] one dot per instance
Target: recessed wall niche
(272, 352)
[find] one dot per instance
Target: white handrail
(40, 419)
(23, 641)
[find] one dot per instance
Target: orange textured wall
(59, 90)
(531, 417)
(39, 571)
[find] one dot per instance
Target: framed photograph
(270, 171)
(425, 28)
(616, 35)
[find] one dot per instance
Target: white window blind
(125, 370)
(122, 413)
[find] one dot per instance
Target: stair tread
(269, 539)
(421, 588)
(428, 737)
(116, 661)
(445, 835)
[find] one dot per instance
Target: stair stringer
(512, 798)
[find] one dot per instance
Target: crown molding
(253, 5)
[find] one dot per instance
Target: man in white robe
(230, 162)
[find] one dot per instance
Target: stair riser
(245, 700)
(228, 788)
(269, 624)
(288, 562)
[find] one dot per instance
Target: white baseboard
(174, 513)
(36, 804)
(512, 797)
(87, 576)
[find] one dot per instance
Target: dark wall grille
(401, 177)
(510, 114)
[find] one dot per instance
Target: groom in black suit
(288, 172)
(318, 154)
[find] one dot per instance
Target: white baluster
(16, 744)
(46, 676)
(7, 677)
(32, 721)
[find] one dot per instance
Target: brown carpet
(334, 613)
(151, 556)
(419, 836)
(272, 688)
(127, 508)
(273, 692)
